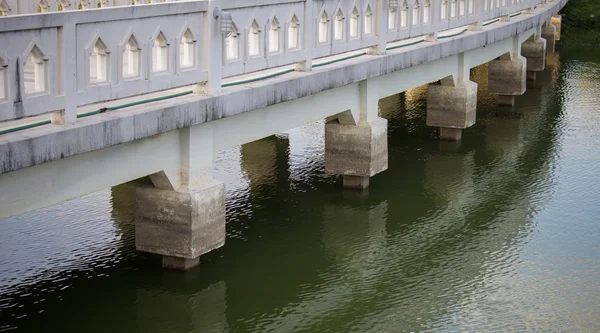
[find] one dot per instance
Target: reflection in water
(465, 236)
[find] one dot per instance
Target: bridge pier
(356, 142)
(534, 50)
(549, 34)
(356, 151)
(452, 107)
(183, 215)
(507, 75)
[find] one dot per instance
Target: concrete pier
(181, 226)
(507, 76)
(357, 152)
(452, 107)
(183, 215)
(534, 50)
(356, 140)
(549, 34)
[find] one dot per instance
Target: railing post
(211, 51)
(67, 75)
(478, 10)
(381, 21)
(308, 38)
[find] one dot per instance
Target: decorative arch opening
(187, 50)
(323, 27)
(99, 62)
(354, 23)
(160, 54)
(444, 10)
(294, 33)
(131, 58)
(461, 7)
(416, 13)
(392, 14)
(4, 8)
(83, 4)
(232, 44)
(471, 6)
(35, 71)
(64, 5)
(338, 28)
(427, 11)
(3, 79)
(42, 7)
(368, 22)
(404, 14)
(274, 35)
(452, 8)
(254, 39)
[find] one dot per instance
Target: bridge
(95, 95)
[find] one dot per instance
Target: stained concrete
(356, 182)
(183, 225)
(450, 134)
(452, 108)
(507, 78)
(506, 100)
(534, 50)
(549, 34)
(356, 150)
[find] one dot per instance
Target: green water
(499, 232)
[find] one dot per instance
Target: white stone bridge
(93, 95)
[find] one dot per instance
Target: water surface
(498, 232)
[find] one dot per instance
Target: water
(498, 232)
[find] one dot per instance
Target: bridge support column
(183, 215)
(507, 75)
(549, 34)
(356, 142)
(451, 107)
(557, 22)
(534, 50)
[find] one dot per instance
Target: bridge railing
(62, 60)
(58, 61)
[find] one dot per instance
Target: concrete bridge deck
(174, 140)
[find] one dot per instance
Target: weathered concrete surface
(180, 224)
(507, 77)
(356, 150)
(557, 22)
(534, 50)
(549, 34)
(55, 142)
(506, 100)
(450, 134)
(452, 108)
(357, 182)
(180, 264)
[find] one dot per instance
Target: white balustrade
(64, 58)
